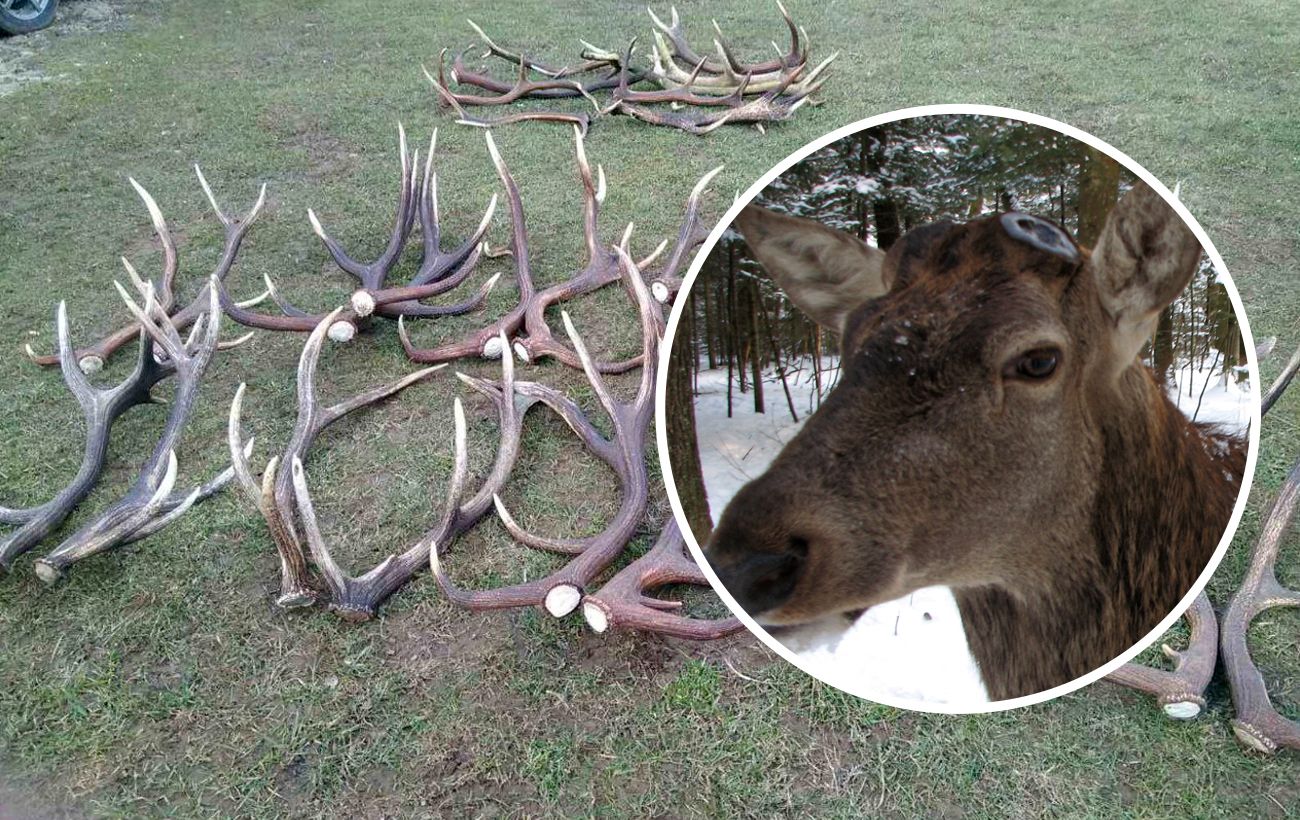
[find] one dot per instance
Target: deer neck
(1153, 525)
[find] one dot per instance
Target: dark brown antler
(440, 271)
(1279, 385)
(101, 407)
(1180, 692)
(562, 591)
(624, 601)
(525, 324)
(594, 62)
(522, 88)
(445, 95)
(149, 505)
(1258, 724)
(92, 357)
(274, 496)
(724, 74)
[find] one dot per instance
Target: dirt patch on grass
(23, 802)
(20, 54)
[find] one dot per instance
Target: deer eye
(1034, 365)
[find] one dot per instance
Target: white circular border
(661, 427)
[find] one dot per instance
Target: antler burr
(624, 602)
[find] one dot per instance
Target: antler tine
(239, 452)
(623, 601)
(163, 333)
(593, 196)
(689, 237)
(518, 59)
(455, 265)
(372, 274)
(484, 342)
(1258, 724)
(167, 281)
(1279, 385)
(651, 326)
(100, 407)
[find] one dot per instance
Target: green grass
(160, 680)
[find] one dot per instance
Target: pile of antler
(1181, 691)
(149, 505)
(281, 494)
(696, 93)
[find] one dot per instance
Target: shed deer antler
(358, 598)
(100, 407)
(525, 324)
(150, 505)
(439, 272)
(1258, 723)
(274, 496)
(624, 452)
(92, 357)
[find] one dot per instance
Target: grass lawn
(161, 680)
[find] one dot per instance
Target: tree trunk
(683, 444)
(1162, 348)
(884, 208)
(1098, 192)
(755, 356)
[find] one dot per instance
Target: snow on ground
(913, 648)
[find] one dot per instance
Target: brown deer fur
(1070, 512)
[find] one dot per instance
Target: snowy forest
(745, 344)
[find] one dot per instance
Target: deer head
(990, 374)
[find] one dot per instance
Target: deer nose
(761, 582)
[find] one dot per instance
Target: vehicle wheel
(23, 16)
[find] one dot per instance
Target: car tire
(24, 16)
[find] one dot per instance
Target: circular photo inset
(960, 408)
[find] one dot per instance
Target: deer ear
(1144, 258)
(825, 272)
